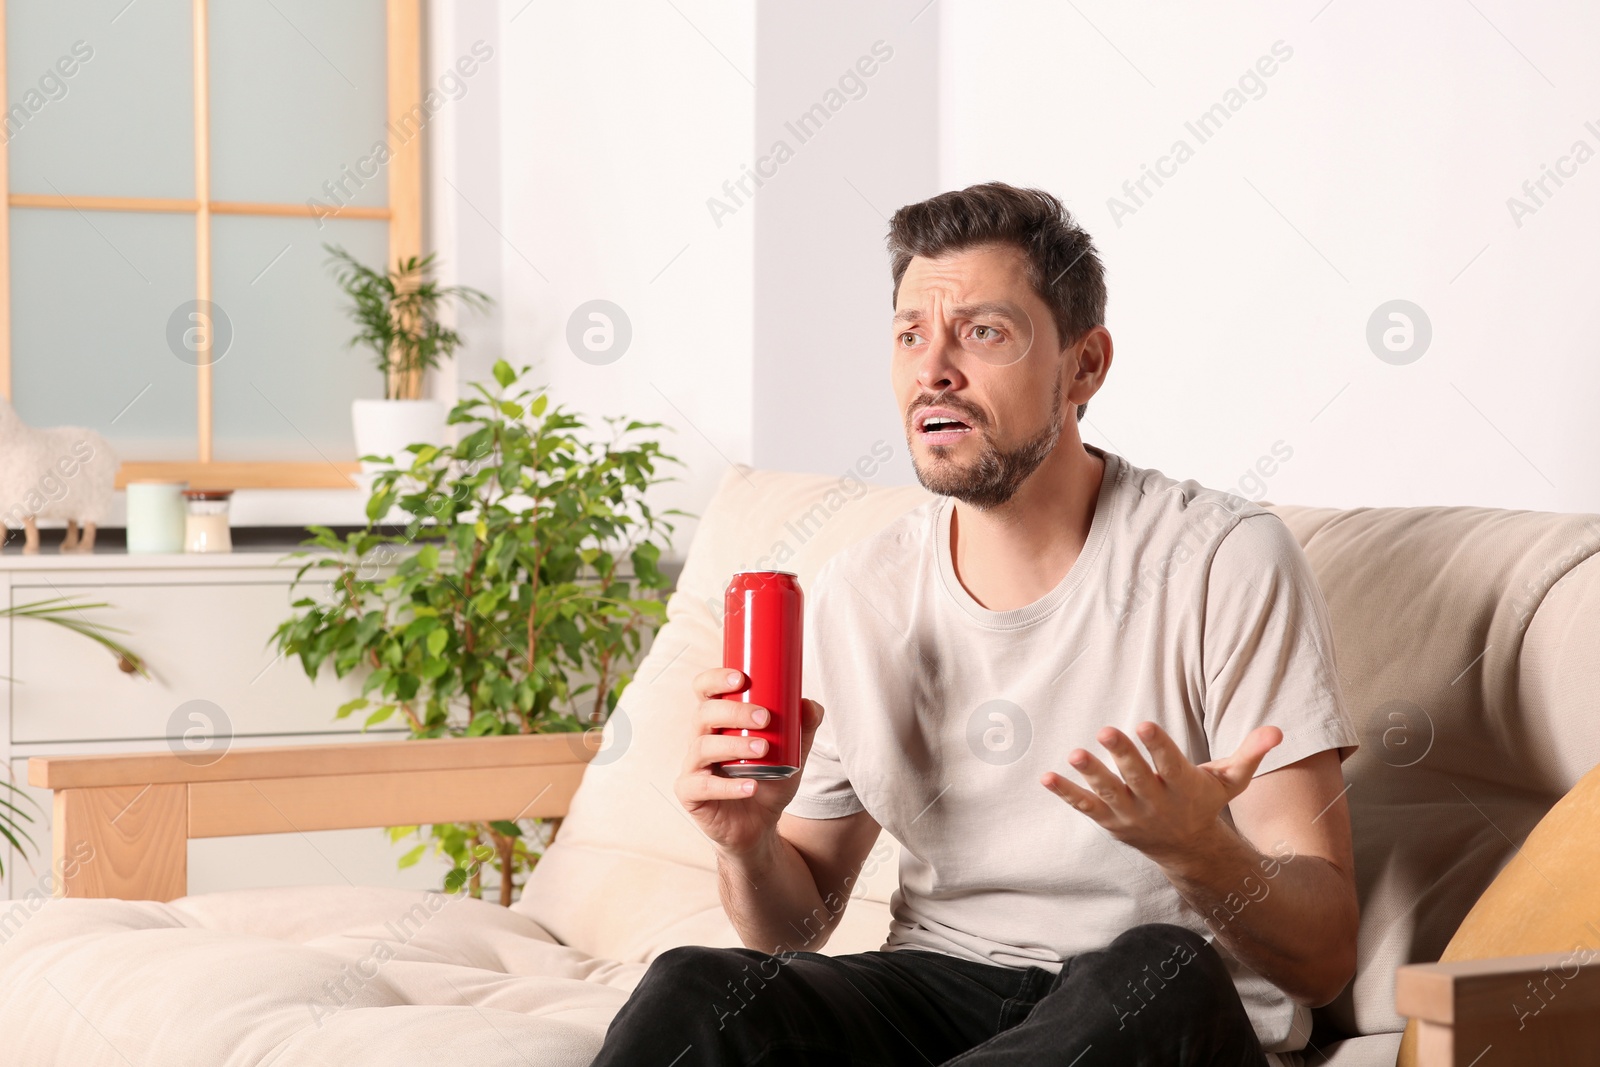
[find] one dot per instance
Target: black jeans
(1158, 995)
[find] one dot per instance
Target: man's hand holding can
(737, 814)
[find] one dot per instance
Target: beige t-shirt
(1187, 606)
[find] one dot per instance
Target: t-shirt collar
(1028, 614)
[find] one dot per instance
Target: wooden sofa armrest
(121, 823)
(1504, 1012)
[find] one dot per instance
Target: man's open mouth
(941, 429)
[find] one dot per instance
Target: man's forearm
(1291, 919)
(772, 898)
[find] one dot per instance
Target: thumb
(810, 718)
(1241, 766)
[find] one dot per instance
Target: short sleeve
(825, 791)
(1268, 657)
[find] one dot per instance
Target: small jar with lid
(205, 527)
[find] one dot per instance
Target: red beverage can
(762, 624)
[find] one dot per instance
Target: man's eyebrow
(973, 311)
(961, 311)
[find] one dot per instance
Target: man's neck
(1010, 556)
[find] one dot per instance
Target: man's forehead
(991, 279)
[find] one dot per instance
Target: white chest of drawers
(204, 625)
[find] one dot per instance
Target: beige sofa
(1467, 640)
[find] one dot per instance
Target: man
(1185, 904)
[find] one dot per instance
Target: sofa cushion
(1543, 901)
(1377, 1050)
(1468, 646)
(329, 974)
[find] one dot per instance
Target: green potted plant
(67, 613)
(397, 313)
(514, 600)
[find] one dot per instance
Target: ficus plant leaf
(514, 596)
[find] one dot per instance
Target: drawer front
(201, 642)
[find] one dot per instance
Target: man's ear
(1092, 355)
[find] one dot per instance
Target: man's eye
(909, 340)
(985, 333)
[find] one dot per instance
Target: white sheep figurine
(65, 472)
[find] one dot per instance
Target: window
(173, 169)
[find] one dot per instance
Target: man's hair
(1063, 266)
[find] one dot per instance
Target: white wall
(1373, 164)
(463, 201)
(851, 90)
(617, 121)
(576, 167)
(1376, 165)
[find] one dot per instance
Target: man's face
(975, 344)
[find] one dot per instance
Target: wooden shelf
(243, 475)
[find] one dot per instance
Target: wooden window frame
(403, 27)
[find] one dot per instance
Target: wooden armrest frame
(1506, 1012)
(121, 823)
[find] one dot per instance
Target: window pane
(283, 390)
(100, 97)
(298, 96)
(94, 296)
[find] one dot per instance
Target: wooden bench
(139, 811)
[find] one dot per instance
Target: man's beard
(997, 474)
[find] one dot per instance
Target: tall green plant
(398, 316)
(506, 605)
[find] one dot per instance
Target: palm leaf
(9, 826)
(65, 612)
(68, 614)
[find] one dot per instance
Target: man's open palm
(1163, 810)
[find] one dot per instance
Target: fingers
(716, 716)
(700, 783)
(1136, 773)
(719, 714)
(1102, 782)
(1106, 791)
(1136, 776)
(704, 788)
(1077, 796)
(707, 749)
(719, 681)
(716, 713)
(1168, 758)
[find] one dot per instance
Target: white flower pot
(386, 427)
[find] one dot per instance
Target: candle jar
(205, 527)
(156, 517)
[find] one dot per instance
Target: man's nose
(940, 369)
